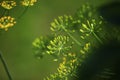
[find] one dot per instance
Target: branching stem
(73, 38)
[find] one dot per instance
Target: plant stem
(25, 10)
(75, 40)
(97, 38)
(3, 13)
(5, 66)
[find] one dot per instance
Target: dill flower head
(68, 66)
(63, 23)
(8, 4)
(28, 2)
(6, 22)
(66, 69)
(40, 47)
(58, 45)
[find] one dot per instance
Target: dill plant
(68, 31)
(7, 21)
(73, 39)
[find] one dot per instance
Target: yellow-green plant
(74, 40)
(7, 21)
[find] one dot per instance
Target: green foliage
(73, 40)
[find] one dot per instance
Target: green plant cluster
(72, 40)
(60, 45)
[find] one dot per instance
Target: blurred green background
(16, 43)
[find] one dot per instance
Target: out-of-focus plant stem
(5, 66)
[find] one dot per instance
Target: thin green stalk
(97, 38)
(5, 66)
(25, 10)
(73, 38)
(3, 13)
